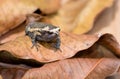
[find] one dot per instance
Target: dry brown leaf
(20, 30)
(13, 34)
(110, 43)
(7, 71)
(75, 69)
(106, 46)
(95, 51)
(78, 16)
(70, 45)
(14, 13)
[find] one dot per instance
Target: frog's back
(40, 25)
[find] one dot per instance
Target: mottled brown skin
(42, 32)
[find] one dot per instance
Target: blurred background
(74, 16)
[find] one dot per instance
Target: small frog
(42, 32)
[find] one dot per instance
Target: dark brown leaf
(110, 43)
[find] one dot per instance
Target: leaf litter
(83, 56)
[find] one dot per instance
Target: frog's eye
(59, 29)
(50, 32)
(26, 32)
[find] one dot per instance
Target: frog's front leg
(34, 42)
(57, 43)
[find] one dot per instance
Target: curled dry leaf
(70, 45)
(95, 51)
(110, 43)
(78, 16)
(107, 46)
(75, 69)
(13, 15)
